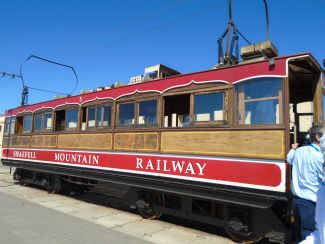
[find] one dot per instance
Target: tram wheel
(153, 207)
(18, 176)
(243, 235)
(53, 184)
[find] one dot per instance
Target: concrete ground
(31, 215)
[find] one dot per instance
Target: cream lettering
(149, 165)
(201, 168)
(190, 168)
(171, 166)
(76, 158)
(178, 166)
(139, 163)
(165, 166)
(24, 154)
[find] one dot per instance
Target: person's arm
(291, 153)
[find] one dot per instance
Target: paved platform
(31, 215)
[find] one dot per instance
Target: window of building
(147, 112)
(38, 122)
(209, 107)
(71, 121)
(91, 117)
(177, 111)
(27, 124)
(126, 114)
(258, 101)
(104, 115)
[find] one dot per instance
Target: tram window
(177, 110)
(258, 101)
(71, 119)
(59, 120)
(126, 114)
(91, 117)
(104, 115)
(19, 126)
(147, 112)
(27, 124)
(209, 107)
(12, 126)
(38, 122)
(7, 125)
(47, 121)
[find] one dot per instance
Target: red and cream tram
(208, 146)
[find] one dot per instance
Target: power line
(48, 91)
(156, 28)
(131, 22)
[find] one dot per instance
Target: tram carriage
(208, 146)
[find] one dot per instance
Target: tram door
(305, 98)
(301, 119)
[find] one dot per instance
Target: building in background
(2, 119)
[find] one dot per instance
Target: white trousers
(318, 236)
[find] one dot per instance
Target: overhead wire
(211, 7)
(157, 27)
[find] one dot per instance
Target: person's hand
(294, 146)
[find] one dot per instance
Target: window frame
(137, 125)
(239, 107)
(118, 125)
(43, 129)
(66, 119)
(87, 117)
(43, 121)
(109, 125)
(31, 126)
(8, 130)
(223, 122)
(34, 123)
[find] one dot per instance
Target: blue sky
(112, 40)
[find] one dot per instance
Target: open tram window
(126, 114)
(19, 126)
(147, 113)
(259, 101)
(209, 107)
(59, 120)
(177, 110)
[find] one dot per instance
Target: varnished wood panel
(257, 144)
(136, 141)
(47, 141)
(5, 142)
(85, 141)
(21, 141)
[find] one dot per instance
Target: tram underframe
(242, 223)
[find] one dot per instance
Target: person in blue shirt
(318, 236)
(307, 171)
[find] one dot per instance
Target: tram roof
(225, 75)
